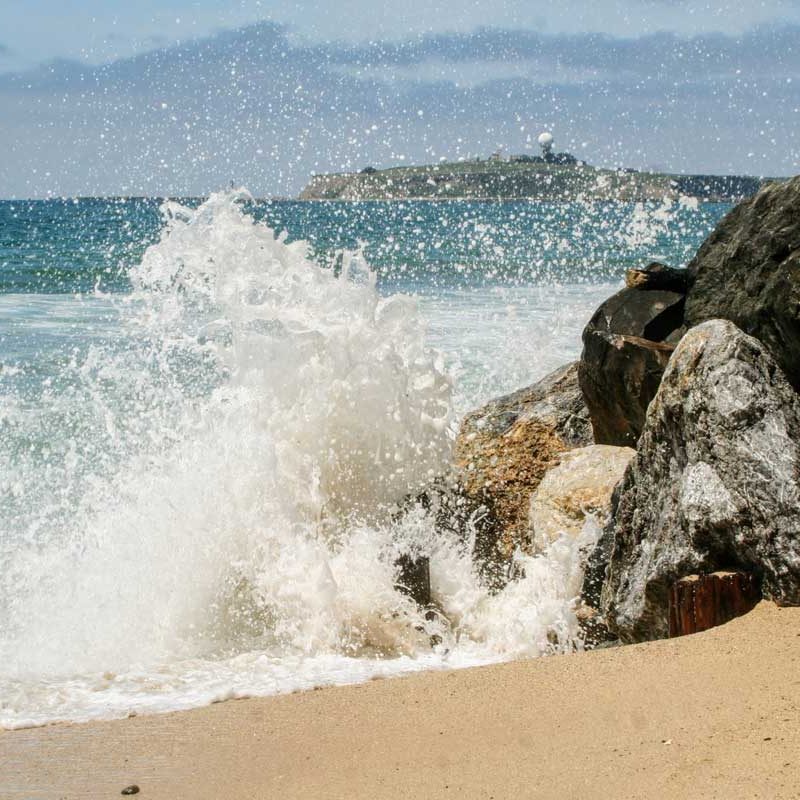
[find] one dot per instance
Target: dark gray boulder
(714, 484)
(658, 276)
(626, 346)
(748, 271)
(556, 400)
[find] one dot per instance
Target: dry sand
(705, 716)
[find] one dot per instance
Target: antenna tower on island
(546, 143)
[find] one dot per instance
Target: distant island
(549, 177)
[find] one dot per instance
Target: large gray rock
(626, 346)
(714, 484)
(748, 271)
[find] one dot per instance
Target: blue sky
(182, 97)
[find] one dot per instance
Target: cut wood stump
(700, 602)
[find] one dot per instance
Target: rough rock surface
(658, 276)
(626, 346)
(748, 271)
(714, 484)
(504, 449)
(581, 484)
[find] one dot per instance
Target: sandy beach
(710, 715)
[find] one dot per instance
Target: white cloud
(257, 107)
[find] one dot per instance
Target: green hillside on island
(523, 177)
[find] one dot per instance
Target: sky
(184, 97)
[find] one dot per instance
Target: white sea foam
(269, 417)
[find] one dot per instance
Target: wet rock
(748, 272)
(504, 449)
(714, 485)
(647, 314)
(581, 484)
(132, 789)
(622, 376)
(658, 276)
(626, 346)
(594, 632)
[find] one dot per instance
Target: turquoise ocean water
(208, 410)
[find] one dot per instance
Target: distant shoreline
(498, 181)
(203, 198)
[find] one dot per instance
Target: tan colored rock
(505, 448)
(581, 484)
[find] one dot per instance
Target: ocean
(211, 409)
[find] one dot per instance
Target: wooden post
(414, 578)
(699, 602)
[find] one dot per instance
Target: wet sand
(711, 715)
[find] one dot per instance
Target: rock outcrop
(504, 449)
(581, 484)
(714, 484)
(626, 346)
(658, 276)
(748, 272)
